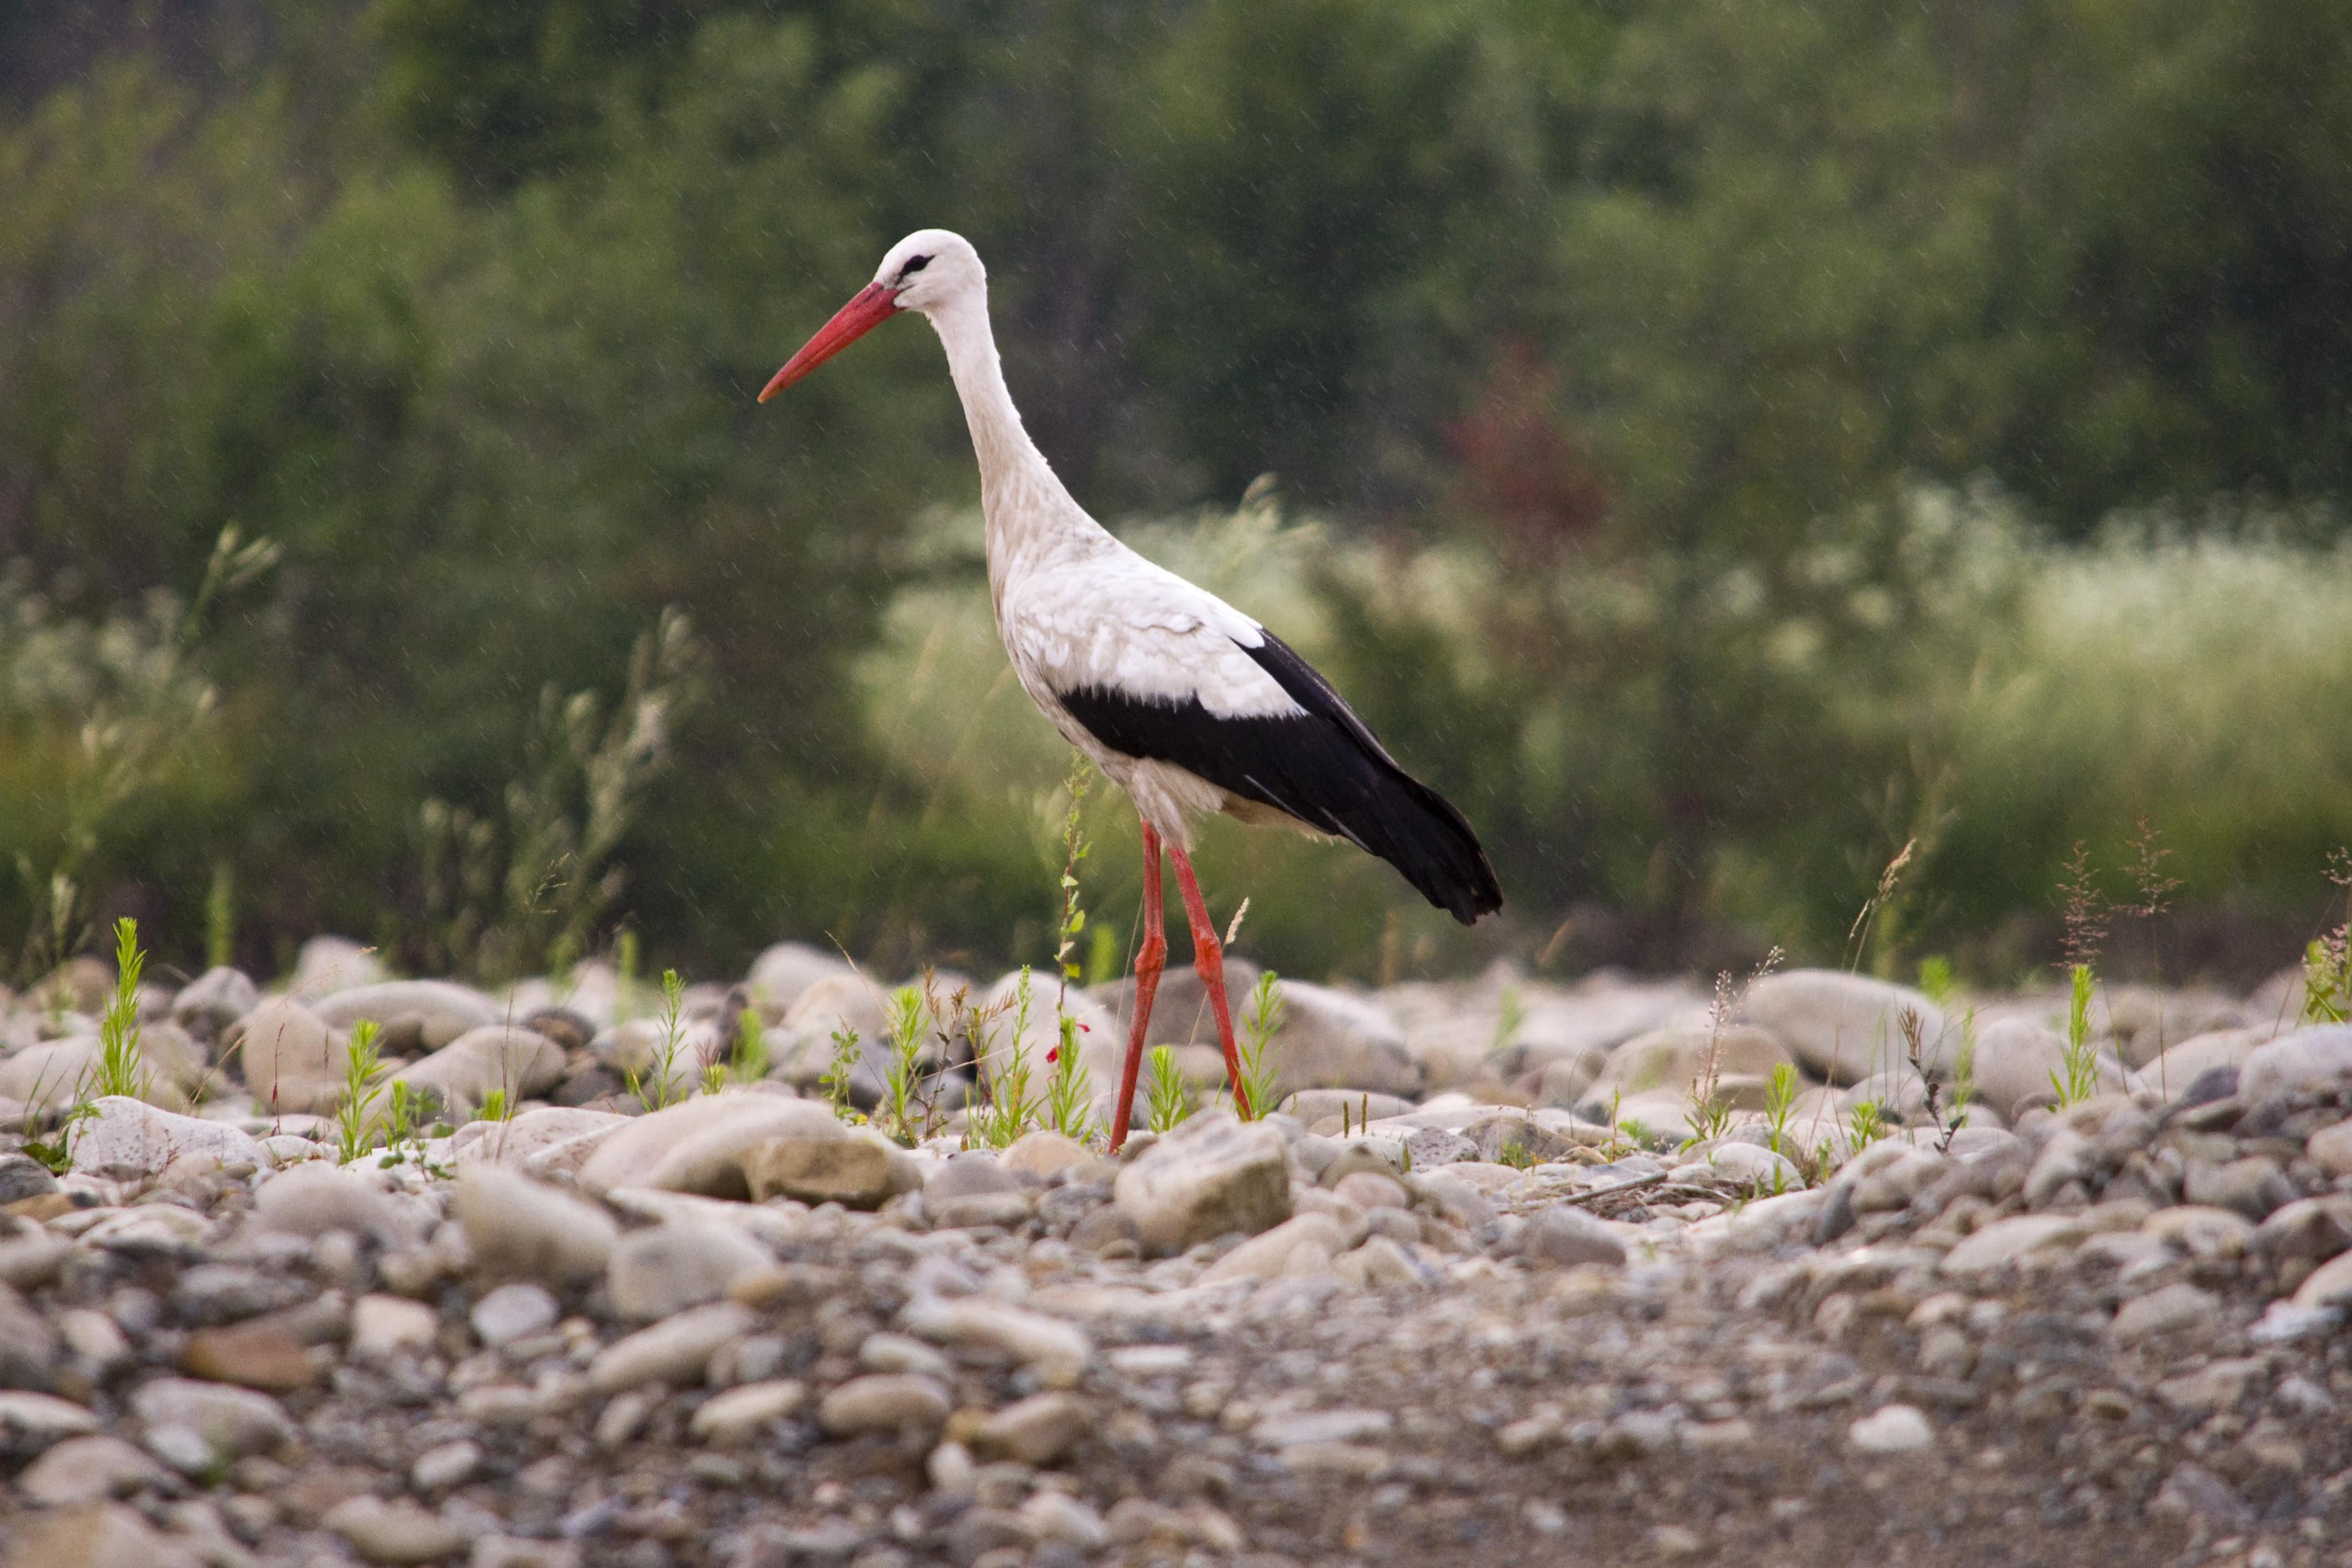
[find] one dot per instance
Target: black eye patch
(913, 268)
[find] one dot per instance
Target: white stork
(1184, 702)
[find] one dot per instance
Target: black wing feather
(1322, 767)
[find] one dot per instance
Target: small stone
(22, 1176)
(259, 1354)
(414, 1015)
(1839, 1026)
(394, 1533)
(2010, 1241)
(1213, 1175)
(446, 1464)
(1059, 1517)
(94, 1535)
(898, 1352)
(382, 1325)
(2196, 1492)
(2329, 1286)
(30, 1422)
(230, 1422)
(1049, 1344)
(1566, 1235)
(852, 1172)
(667, 1268)
(511, 1312)
(523, 1228)
(1428, 1147)
(698, 1147)
(86, 1468)
(1370, 1190)
(316, 1197)
(1035, 1431)
(970, 1173)
(737, 1416)
(1891, 1429)
(884, 1402)
(492, 1060)
(2200, 1231)
(213, 1001)
(516, 1551)
(2253, 1188)
(1041, 1154)
(2331, 1149)
(677, 1350)
(2172, 1309)
(1338, 1426)
(1303, 1244)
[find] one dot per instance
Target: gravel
(2110, 1330)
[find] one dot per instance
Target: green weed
(1010, 1101)
(663, 1089)
(2327, 961)
(1069, 1098)
(1867, 1122)
(362, 1067)
(835, 1079)
(901, 1073)
(1261, 1021)
(1165, 1102)
(495, 1107)
(1780, 1107)
(220, 915)
(2077, 1077)
(751, 1058)
(120, 1070)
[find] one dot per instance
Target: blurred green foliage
(1716, 416)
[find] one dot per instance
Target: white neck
(1029, 513)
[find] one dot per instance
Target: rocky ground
(739, 1331)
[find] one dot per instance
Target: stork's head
(925, 271)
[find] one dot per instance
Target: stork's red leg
(1150, 959)
(1209, 958)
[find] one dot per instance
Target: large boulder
(1332, 1039)
(1102, 1042)
(60, 1072)
(2016, 1061)
(329, 964)
(1677, 1058)
(213, 1001)
(1843, 1027)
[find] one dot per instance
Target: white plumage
(1187, 704)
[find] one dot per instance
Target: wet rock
(1844, 1027)
(884, 1402)
(130, 1138)
(667, 1268)
(1211, 1175)
(523, 1228)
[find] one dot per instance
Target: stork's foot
(1150, 960)
(1209, 958)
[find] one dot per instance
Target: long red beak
(871, 308)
